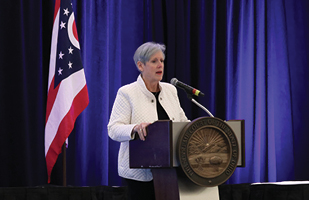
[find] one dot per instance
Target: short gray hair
(146, 50)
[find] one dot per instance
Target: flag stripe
(66, 126)
(53, 51)
(62, 104)
(52, 94)
(57, 7)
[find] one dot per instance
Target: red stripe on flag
(65, 128)
(57, 6)
(51, 96)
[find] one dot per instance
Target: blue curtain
(249, 57)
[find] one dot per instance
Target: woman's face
(152, 70)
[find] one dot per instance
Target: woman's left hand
(141, 130)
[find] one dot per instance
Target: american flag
(67, 89)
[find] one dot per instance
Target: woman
(136, 106)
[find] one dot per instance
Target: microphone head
(174, 81)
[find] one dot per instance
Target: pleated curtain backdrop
(249, 57)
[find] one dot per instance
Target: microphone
(186, 87)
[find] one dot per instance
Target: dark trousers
(138, 190)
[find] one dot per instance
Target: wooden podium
(158, 152)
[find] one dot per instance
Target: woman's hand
(141, 130)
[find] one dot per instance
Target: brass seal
(207, 151)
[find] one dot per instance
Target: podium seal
(208, 151)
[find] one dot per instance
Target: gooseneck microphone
(187, 88)
(190, 90)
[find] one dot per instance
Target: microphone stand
(199, 105)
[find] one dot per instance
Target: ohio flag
(67, 88)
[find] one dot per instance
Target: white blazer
(133, 105)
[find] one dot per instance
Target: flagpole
(64, 164)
